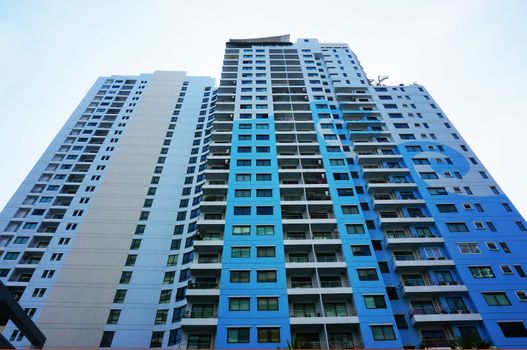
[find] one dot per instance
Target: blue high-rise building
(339, 214)
(298, 205)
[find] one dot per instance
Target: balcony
(300, 239)
(362, 133)
(310, 317)
(206, 260)
(386, 186)
(200, 318)
(368, 145)
(384, 203)
(406, 240)
(402, 221)
(353, 122)
(369, 173)
(202, 290)
(325, 286)
(213, 202)
(422, 264)
(420, 287)
(213, 218)
(299, 260)
(436, 315)
(366, 158)
(439, 343)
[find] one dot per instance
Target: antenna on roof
(381, 78)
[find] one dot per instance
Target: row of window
(462, 227)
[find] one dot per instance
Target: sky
(470, 55)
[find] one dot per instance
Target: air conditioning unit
(323, 175)
(326, 193)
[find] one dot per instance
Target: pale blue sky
(471, 56)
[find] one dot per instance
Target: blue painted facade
(382, 175)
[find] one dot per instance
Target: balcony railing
(199, 345)
(325, 235)
(415, 282)
(317, 197)
(208, 237)
(303, 284)
(308, 344)
(331, 284)
(345, 345)
(214, 198)
(434, 310)
(323, 313)
(321, 215)
(201, 314)
(408, 235)
(438, 343)
(203, 285)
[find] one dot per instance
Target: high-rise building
(96, 242)
(299, 205)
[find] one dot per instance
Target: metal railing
(435, 310)
(331, 284)
(322, 313)
(414, 282)
(438, 343)
(200, 314)
(345, 345)
(203, 285)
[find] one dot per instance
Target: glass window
(360, 250)
(496, 299)
(240, 252)
(240, 276)
(513, 329)
(375, 301)
(241, 230)
(267, 303)
(237, 335)
(350, 209)
(242, 193)
(268, 335)
(265, 230)
(481, 272)
(265, 252)
(242, 210)
(264, 210)
(239, 304)
(355, 229)
(367, 274)
(383, 332)
(457, 227)
(468, 248)
(266, 276)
